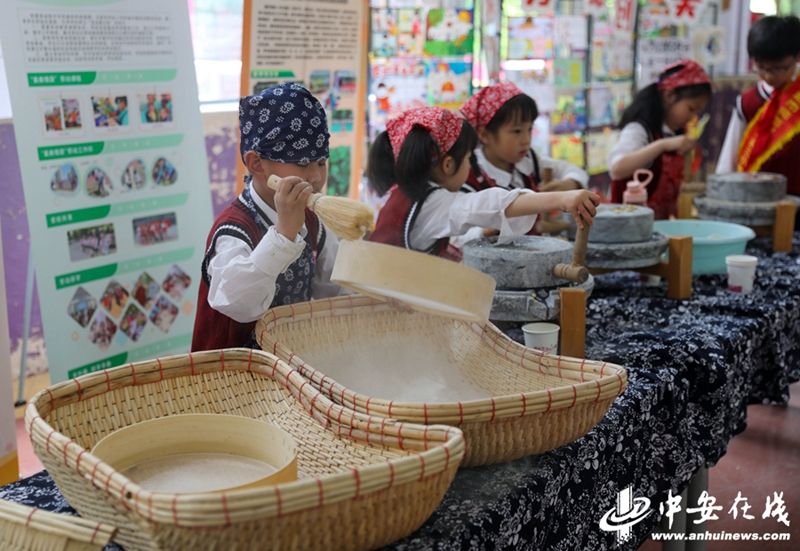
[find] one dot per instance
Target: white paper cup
(541, 336)
(741, 272)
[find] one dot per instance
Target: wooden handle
(571, 273)
(274, 182)
(547, 175)
(579, 251)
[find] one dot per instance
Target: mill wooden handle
(576, 272)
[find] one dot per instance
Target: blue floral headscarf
(285, 123)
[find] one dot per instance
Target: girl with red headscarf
(422, 160)
(653, 134)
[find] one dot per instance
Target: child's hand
(681, 143)
(290, 203)
(560, 185)
(582, 205)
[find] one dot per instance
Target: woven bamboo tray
(24, 528)
(538, 402)
(363, 481)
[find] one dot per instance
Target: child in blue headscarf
(267, 249)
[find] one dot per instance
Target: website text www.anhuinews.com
(717, 536)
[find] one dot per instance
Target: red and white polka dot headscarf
(443, 125)
(486, 102)
(690, 73)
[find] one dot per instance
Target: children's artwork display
(540, 135)
(621, 97)
(569, 73)
(567, 147)
(450, 32)
(396, 85)
(598, 146)
(570, 112)
(572, 32)
(709, 45)
(449, 83)
(530, 37)
(656, 52)
(538, 84)
(111, 133)
(601, 107)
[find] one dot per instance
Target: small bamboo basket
(363, 481)
(538, 402)
(24, 528)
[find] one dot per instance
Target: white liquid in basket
(403, 370)
(197, 472)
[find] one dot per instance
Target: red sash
(773, 126)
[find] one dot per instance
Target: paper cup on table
(541, 336)
(741, 272)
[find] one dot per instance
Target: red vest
(785, 160)
(213, 329)
(478, 180)
(664, 188)
(396, 220)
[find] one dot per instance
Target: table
(694, 366)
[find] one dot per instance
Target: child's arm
(566, 176)
(579, 203)
(643, 157)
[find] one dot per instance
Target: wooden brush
(345, 217)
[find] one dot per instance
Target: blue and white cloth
(285, 123)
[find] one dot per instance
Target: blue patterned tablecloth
(694, 366)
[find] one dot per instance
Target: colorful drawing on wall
(598, 146)
(569, 73)
(344, 82)
(409, 21)
(449, 32)
(538, 84)
(396, 85)
(410, 45)
(339, 171)
(91, 242)
(621, 98)
(572, 33)
(384, 44)
(65, 180)
(567, 147)
(530, 37)
(449, 83)
(82, 307)
(601, 106)
(570, 112)
(709, 45)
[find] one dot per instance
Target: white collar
(499, 176)
(768, 89)
(269, 211)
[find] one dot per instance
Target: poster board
(116, 185)
(320, 44)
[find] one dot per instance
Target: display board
(9, 463)
(110, 140)
(317, 43)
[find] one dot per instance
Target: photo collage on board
(122, 311)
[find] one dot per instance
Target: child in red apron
(422, 160)
(653, 137)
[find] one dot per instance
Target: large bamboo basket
(539, 402)
(24, 528)
(363, 481)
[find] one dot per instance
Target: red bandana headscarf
(690, 73)
(484, 104)
(443, 125)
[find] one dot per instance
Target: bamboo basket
(24, 528)
(363, 481)
(538, 402)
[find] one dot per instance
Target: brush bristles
(346, 218)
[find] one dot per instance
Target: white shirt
(729, 152)
(447, 214)
(243, 279)
(562, 170)
(633, 137)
